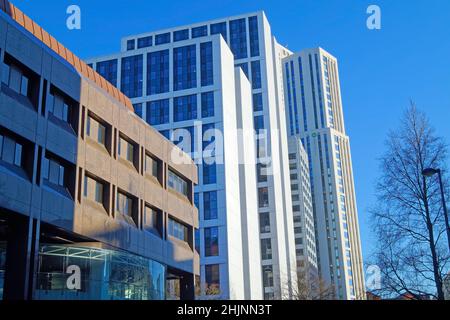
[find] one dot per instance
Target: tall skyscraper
(314, 114)
(172, 76)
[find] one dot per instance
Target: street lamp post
(428, 173)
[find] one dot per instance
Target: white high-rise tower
(314, 114)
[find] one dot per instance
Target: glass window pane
(18, 155)
(24, 86)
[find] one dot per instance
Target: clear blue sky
(409, 58)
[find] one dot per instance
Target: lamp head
(429, 172)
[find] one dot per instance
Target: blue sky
(380, 71)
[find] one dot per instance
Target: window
(207, 104)
(257, 102)
(138, 109)
(58, 106)
(210, 205)
(131, 78)
(208, 131)
(221, 28)
(261, 170)
(206, 62)
(244, 67)
(238, 38)
(266, 249)
(177, 183)
(93, 189)
(152, 220)
(198, 32)
(256, 75)
(165, 134)
(130, 44)
(185, 108)
(178, 230)
(158, 72)
(267, 276)
(15, 79)
(162, 38)
(258, 123)
(209, 173)
(144, 42)
(108, 70)
(211, 241)
(197, 240)
(125, 207)
(212, 279)
(196, 200)
(180, 35)
(253, 34)
(95, 130)
(263, 197)
(53, 171)
(126, 150)
(264, 222)
(158, 112)
(10, 151)
(151, 166)
(184, 67)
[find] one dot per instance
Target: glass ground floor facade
(71, 272)
(84, 273)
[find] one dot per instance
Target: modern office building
(315, 115)
(304, 228)
(182, 76)
(94, 203)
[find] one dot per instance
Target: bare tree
(312, 288)
(412, 250)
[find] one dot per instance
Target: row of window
(237, 31)
(184, 63)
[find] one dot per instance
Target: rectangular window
(206, 62)
(126, 150)
(158, 72)
(10, 151)
(162, 38)
(132, 76)
(15, 79)
(151, 166)
(96, 131)
(144, 42)
(185, 108)
(267, 276)
(219, 28)
(177, 183)
(258, 123)
(212, 279)
(158, 112)
(244, 67)
(238, 38)
(257, 102)
(152, 220)
(211, 241)
(264, 222)
(138, 109)
(254, 36)
(209, 173)
(263, 197)
(58, 106)
(184, 67)
(93, 189)
(53, 171)
(108, 70)
(178, 230)
(266, 249)
(180, 35)
(256, 75)
(125, 207)
(210, 205)
(197, 240)
(198, 32)
(262, 173)
(130, 44)
(207, 104)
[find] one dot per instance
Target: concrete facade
(63, 212)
